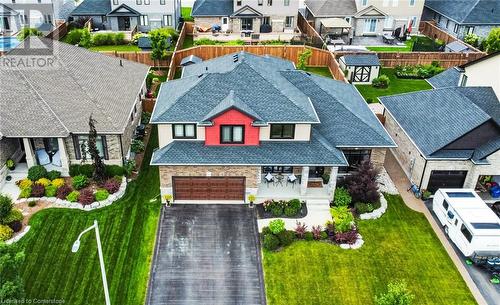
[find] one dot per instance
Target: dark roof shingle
(361, 60)
(447, 78)
(468, 11)
(92, 8)
(212, 8)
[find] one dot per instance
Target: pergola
(334, 26)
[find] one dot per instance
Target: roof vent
(206, 68)
(235, 57)
(121, 63)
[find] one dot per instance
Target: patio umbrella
(410, 26)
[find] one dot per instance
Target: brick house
(449, 137)
(230, 122)
(45, 110)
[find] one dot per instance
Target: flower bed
(282, 208)
(418, 71)
(377, 213)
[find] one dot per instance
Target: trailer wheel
(446, 230)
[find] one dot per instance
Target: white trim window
(115, 2)
(289, 21)
(395, 3)
(162, 2)
(469, 30)
(370, 25)
(147, 2)
(389, 22)
(364, 2)
(167, 20)
(385, 3)
(138, 2)
(286, 2)
(412, 2)
(144, 20)
(455, 28)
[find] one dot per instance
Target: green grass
(323, 71)
(127, 229)
(188, 42)
(416, 44)
(186, 13)
(400, 245)
(119, 48)
(407, 48)
(396, 86)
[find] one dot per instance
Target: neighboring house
(44, 111)
(10, 22)
(231, 121)
(360, 68)
(127, 15)
(461, 17)
(363, 17)
(247, 17)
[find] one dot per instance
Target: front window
(232, 134)
(147, 2)
(269, 2)
(466, 233)
(277, 169)
(286, 2)
(469, 30)
(138, 2)
(115, 2)
(238, 3)
(455, 28)
(144, 20)
(246, 24)
(260, 2)
(282, 131)
(370, 25)
(82, 147)
(354, 158)
(364, 2)
(162, 2)
(184, 131)
(167, 20)
(266, 20)
(389, 21)
(289, 21)
(412, 2)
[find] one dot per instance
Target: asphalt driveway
(207, 254)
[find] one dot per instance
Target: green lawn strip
(118, 48)
(389, 49)
(396, 86)
(323, 71)
(188, 42)
(186, 13)
(128, 230)
(400, 245)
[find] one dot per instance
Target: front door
(224, 24)
(316, 171)
(123, 23)
(361, 74)
(246, 24)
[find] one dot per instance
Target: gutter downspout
(121, 149)
(423, 174)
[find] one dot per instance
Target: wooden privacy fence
(140, 57)
(306, 28)
(430, 30)
(148, 104)
(60, 31)
(290, 52)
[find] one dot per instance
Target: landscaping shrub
(86, 197)
(5, 233)
(266, 230)
(84, 169)
(348, 237)
(25, 192)
(342, 217)
(36, 172)
(129, 167)
(418, 71)
(210, 42)
(270, 242)
(50, 191)
(108, 39)
(43, 181)
(276, 226)
(381, 82)
(58, 182)
(32, 204)
(316, 231)
(80, 37)
(73, 196)
(16, 226)
(300, 230)
(101, 195)
(362, 207)
(63, 192)
(74, 169)
(53, 174)
(492, 43)
(286, 238)
(341, 197)
(80, 182)
(293, 207)
(323, 235)
(472, 39)
(111, 185)
(276, 209)
(24, 183)
(6, 205)
(37, 190)
(362, 185)
(137, 146)
(308, 236)
(397, 294)
(145, 117)
(114, 170)
(14, 215)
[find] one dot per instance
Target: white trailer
(471, 225)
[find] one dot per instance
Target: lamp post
(76, 246)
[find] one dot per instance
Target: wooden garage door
(446, 179)
(209, 188)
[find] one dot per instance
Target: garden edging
(378, 212)
(75, 205)
(18, 236)
(356, 245)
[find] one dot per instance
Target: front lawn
(323, 71)
(396, 86)
(400, 245)
(128, 227)
(118, 48)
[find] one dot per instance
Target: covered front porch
(303, 182)
(49, 152)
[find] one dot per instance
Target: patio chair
(291, 179)
(269, 179)
(42, 156)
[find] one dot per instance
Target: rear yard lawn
(396, 86)
(323, 71)
(127, 228)
(119, 48)
(400, 245)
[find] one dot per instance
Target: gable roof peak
(232, 101)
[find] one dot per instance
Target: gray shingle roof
(487, 149)
(58, 100)
(447, 78)
(435, 118)
(123, 10)
(457, 46)
(229, 102)
(314, 152)
(361, 60)
(271, 97)
(331, 8)
(191, 59)
(212, 8)
(92, 8)
(468, 11)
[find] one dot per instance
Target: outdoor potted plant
(168, 199)
(251, 200)
(11, 164)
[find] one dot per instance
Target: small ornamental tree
(304, 59)
(99, 167)
(362, 185)
(492, 43)
(160, 42)
(397, 294)
(11, 260)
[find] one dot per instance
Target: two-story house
(351, 18)
(233, 125)
(127, 15)
(459, 18)
(10, 21)
(269, 19)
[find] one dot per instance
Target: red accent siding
(232, 117)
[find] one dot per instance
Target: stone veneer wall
(377, 157)
(7, 148)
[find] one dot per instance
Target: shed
(190, 60)
(456, 46)
(360, 68)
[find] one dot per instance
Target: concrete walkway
(402, 183)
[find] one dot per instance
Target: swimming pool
(7, 43)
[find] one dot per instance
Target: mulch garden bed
(262, 214)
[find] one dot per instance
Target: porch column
(332, 183)
(304, 180)
(30, 155)
(63, 153)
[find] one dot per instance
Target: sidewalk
(402, 183)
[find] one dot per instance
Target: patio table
(279, 179)
(387, 38)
